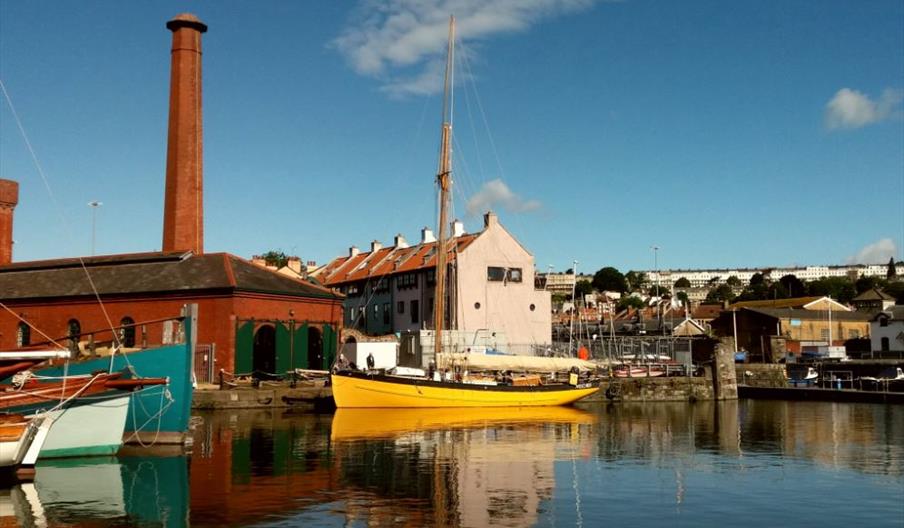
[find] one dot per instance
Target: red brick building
(254, 319)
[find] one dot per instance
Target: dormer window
(883, 320)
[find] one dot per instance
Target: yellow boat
(364, 424)
(363, 389)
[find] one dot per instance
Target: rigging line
(56, 204)
(469, 78)
(33, 327)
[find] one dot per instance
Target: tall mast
(444, 180)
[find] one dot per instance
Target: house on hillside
(873, 300)
(491, 294)
(803, 303)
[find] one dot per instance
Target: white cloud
(411, 35)
(876, 253)
(495, 193)
(853, 109)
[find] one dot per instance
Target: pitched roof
(389, 261)
(142, 273)
(796, 302)
(873, 294)
(896, 313)
(811, 315)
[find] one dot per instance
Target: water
(748, 463)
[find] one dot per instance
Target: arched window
(74, 332)
(127, 332)
(23, 335)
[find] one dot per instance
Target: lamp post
(656, 266)
(94, 205)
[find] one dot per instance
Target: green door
(283, 346)
(244, 346)
(300, 348)
(329, 346)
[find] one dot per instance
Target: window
(127, 332)
(514, 274)
(883, 321)
(406, 280)
(431, 277)
(400, 307)
(376, 312)
(430, 307)
(382, 285)
(415, 312)
(477, 306)
(824, 334)
(354, 290)
(495, 274)
(387, 308)
(533, 307)
(853, 334)
(23, 335)
(74, 329)
(885, 344)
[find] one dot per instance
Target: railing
(205, 363)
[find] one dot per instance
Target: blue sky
(727, 134)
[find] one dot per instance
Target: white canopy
(516, 363)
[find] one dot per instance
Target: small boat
(372, 388)
(21, 439)
(638, 371)
(810, 377)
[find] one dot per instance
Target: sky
(740, 134)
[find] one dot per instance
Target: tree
(867, 283)
(757, 279)
(733, 281)
(609, 279)
(720, 293)
(839, 288)
(275, 258)
(714, 280)
(582, 288)
(793, 286)
(682, 283)
(630, 301)
(892, 270)
(896, 290)
(682, 296)
(636, 280)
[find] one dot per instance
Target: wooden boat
(155, 415)
(367, 424)
(638, 371)
(21, 439)
(373, 389)
(89, 411)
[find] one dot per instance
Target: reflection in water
(101, 491)
(751, 463)
(637, 464)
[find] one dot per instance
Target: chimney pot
(490, 219)
(458, 228)
(353, 251)
(427, 235)
(375, 246)
(400, 241)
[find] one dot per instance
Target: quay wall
(312, 398)
(761, 375)
(635, 390)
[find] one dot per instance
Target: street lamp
(656, 266)
(94, 205)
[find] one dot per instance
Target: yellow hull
(352, 391)
(359, 424)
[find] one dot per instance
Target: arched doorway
(315, 348)
(263, 357)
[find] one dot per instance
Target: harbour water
(747, 463)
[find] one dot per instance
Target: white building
(700, 278)
(491, 288)
(887, 331)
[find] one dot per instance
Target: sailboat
(353, 388)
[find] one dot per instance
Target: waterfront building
(249, 319)
(887, 332)
(390, 289)
(560, 283)
(700, 278)
(769, 333)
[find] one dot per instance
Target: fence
(205, 363)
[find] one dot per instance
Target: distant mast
(444, 179)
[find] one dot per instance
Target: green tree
(733, 281)
(636, 280)
(720, 293)
(275, 258)
(609, 279)
(867, 283)
(630, 301)
(682, 283)
(896, 290)
(682, 296)
(839, 288)
(793, 286)
(892, 269)
(757, 279)
(582, 288)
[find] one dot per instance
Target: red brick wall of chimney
(183, 215)
(9, 197)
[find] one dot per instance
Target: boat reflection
(101, 491)
(359, 424)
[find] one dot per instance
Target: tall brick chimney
(183, 214)
(9, 197)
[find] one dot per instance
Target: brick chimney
(183, 214)
(9, 197)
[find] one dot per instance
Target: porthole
(533, 307)
(477, 306)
